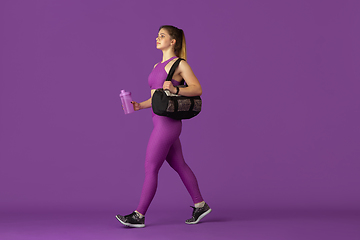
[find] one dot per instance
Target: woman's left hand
(170, 86)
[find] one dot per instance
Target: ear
(173, 41)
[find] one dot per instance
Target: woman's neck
(167, 54)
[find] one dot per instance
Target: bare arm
(194, 87)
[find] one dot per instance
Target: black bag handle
(173, 68)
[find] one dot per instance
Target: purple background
(280, 120)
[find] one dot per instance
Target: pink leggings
(164, 144)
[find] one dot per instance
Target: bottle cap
(124, 93)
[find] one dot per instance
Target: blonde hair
(179, 36)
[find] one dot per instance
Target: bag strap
(173, 68)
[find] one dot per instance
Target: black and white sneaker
(132, 220)
(198, 214)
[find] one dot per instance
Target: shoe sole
(200, 217)
(130, 224)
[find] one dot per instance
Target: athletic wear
(198, 214)
(132, 220)
(158, 75)
(164, 144)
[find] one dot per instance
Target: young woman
(164, 143)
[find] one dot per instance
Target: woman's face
(163, 40)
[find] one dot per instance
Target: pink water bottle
(126, 101)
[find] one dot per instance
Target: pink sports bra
(158, 75)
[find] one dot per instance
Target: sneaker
(198, 214)
(132, 220)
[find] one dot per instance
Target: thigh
(166, 131)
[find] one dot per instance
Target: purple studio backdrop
(280, 119)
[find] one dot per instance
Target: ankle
(139, 214)
(200, 204)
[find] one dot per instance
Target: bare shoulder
(184, 66)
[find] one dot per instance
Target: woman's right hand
(136, 105)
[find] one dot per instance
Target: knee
(179, 166)
(151, 169)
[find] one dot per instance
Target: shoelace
(194, 209)
(136, 216)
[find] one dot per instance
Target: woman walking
(164, 143)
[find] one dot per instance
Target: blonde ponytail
(182, 52)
